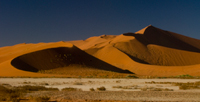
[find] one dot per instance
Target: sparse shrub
(166, 89)
(71, 89)
(28, 88)
(197, 83)
(42, 99)
(3, 98)
(131, 76)
(188, 85)
(36, 88)
(44, 83)
(26, 82)
(101, 88)
(183, 87)
(4, 84)
(89, 81)
(157, 89)
(118, 81)
(78, 83)
(9, 94)
(89, 76)
(92, 89)
(117, 87)
(161, 77)
(127, 87)
(187, 76)
(143, 89)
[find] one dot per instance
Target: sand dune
(149, 51)
(22, 59)
(60, 57)
(8, 53)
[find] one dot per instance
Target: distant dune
(149, 51)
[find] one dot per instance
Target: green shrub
(187, 76)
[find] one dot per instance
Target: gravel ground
(151, 96)
(87, 83)
(111, 94)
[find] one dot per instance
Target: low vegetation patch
(126, 87)
(92, 89)
(78, 83)
(14, 93)
(188, 85)
(42, 99)
(9, 94)
(71, 89)
(187, 76)
(182, 86)
(28, 88)
(117, 87)
(101, 88)
(153, 82)
(131, 76)
(155, 89)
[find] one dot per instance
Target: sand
(148, 52)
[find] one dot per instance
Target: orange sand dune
(8, 53)
(150, 51)
(22, 59)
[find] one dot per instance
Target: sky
(34, 21)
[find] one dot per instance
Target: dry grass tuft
(188, 85)
(117, 87)
(71, 89)
(101, 88)
(92, 89)
(42, 99)
(78, 83)
(13, 94)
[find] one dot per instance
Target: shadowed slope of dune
(153, 35)
(60, 57)
(150, 51)
(150, 45)
(159, 47)
(8, 53)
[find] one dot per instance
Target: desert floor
(116, 89)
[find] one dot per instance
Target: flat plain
(133, 90)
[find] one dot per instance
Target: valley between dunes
(149, 52)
